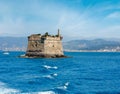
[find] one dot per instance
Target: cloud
(39, 16)
(114, 15)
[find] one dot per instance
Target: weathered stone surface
(45, 46)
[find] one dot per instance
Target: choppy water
(84, 73)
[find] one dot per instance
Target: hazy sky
(75, 18)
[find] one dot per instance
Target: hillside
(13, 43)
(96, 44)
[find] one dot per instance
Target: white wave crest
(5, 90)
(55, 74)
(64, 87)
(50, 67)
(55, 67)
(46, 92)
(67, 83)
(49, 77)
(41, 92)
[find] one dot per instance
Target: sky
(76, 19)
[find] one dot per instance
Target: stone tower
(46, 45)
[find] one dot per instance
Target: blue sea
(81, 73)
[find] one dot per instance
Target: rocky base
(43, 56)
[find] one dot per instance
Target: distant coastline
(95, 45)
(90, 51)
(64, 51)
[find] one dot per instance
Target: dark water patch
(79, 93)
(34, 83)
(91, 79)
(43, 70)
(107, 92)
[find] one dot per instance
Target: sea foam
(51, 76)
(50, 67)
(41, 92)
(6, 90)
(64, 87)
(46, 92)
